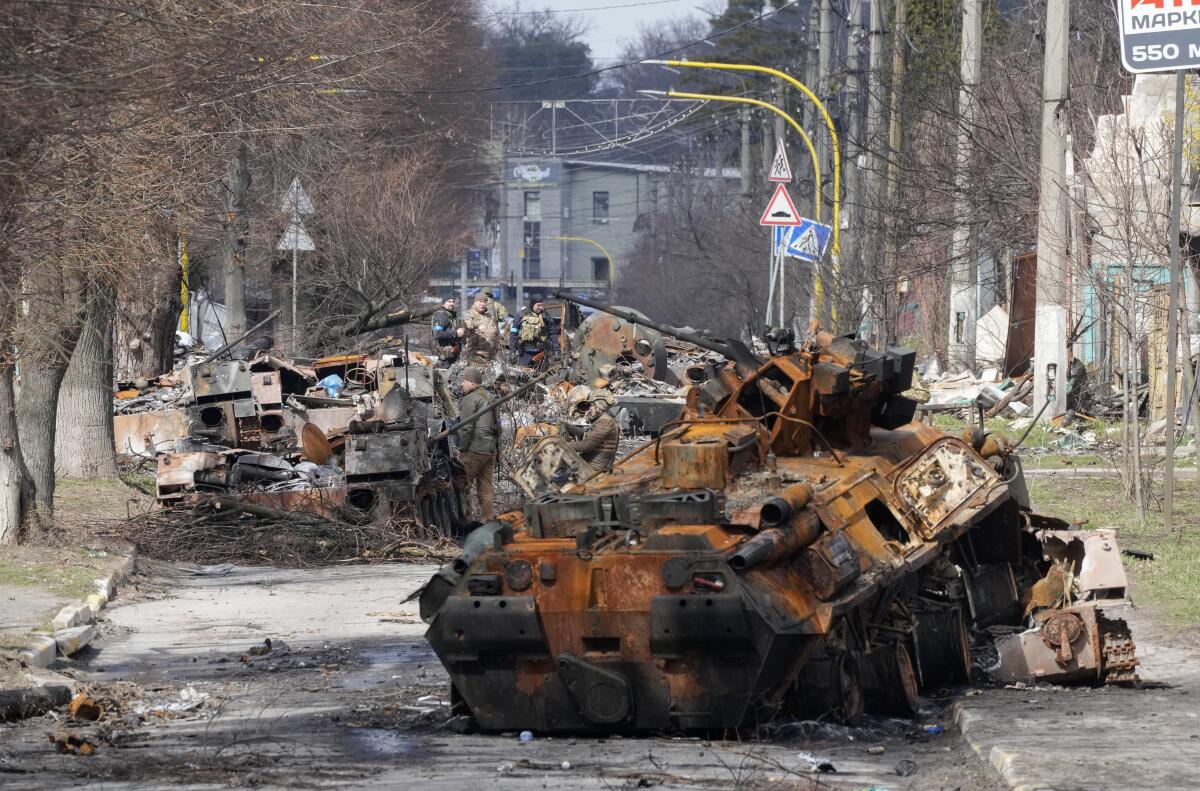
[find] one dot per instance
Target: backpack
(531, 328)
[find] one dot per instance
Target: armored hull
(792, 543)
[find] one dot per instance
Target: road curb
(41, 650)
(1000, 760)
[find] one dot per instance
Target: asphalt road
(357, 699)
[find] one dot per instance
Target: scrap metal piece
(550, 466)
(1076, 645)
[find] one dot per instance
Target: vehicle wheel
(890, 681)
(830, 686)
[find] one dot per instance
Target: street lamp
(776, 270)
(612, 270)
(837, 155)
(812, 151)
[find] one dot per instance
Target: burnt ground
(357, 699)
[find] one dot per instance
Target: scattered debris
(266, 650)
(70, 743)
(84, 708)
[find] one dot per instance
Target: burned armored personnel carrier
(793, 543)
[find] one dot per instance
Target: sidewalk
(1105, 739)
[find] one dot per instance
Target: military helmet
(601, 398)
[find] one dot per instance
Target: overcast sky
(613, 21)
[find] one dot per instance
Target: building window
(600, 269)
(533, 249)
(599, 207)
(533, 206)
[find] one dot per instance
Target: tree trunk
(52, 322)
(146, 322)
(16, 485)
(236, 240)
(37, 405)
(83, 445)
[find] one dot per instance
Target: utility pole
(1050, 344)
(812, 69)
(744, 123)
(851, 252)
(1173, 302)
(824, 87)
(874, 191)
(964, 264)
(236, 238)
(891, 252)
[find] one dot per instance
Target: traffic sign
(781, 170)
(296, 200)
(1159, 35)
(781, 210)
(806, 241)
(296, 238)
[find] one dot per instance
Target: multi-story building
(561, 223)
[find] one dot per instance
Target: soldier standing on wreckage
(598, 443)
(533, 336)
(447, 334)
(481, 332)
(478, 443)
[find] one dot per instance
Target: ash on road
(357, 699)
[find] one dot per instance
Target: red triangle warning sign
(781, 210)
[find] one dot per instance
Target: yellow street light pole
(818, 291)
(612, 270)
(837, 155)
(812, 150)
(185, 322)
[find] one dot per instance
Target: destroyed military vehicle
(793, 543)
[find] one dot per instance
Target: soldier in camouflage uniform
(598, 445)
(482, 334)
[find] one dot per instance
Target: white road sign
(781, 210)
(1159, 35)
(296, 200)
(781, 170)
(295, 237)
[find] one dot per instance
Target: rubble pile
(258, 456)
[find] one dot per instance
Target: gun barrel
(471, 418)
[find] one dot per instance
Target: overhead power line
(551, 81)
(579, 10)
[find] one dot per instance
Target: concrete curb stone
(41, 651)
(75, 618)
(72, 640)
(1000, 760)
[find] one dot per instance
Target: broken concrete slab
(71, 616)
(97, 602)
(40, 652)
(74, 639)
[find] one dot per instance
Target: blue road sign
(806, 241)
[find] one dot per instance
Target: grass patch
(1170, 582)
(65, 579)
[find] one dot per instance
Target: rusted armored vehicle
(794, 543)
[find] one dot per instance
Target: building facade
(560, 223)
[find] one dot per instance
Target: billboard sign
(1159, 35)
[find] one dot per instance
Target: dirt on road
(349, 694)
